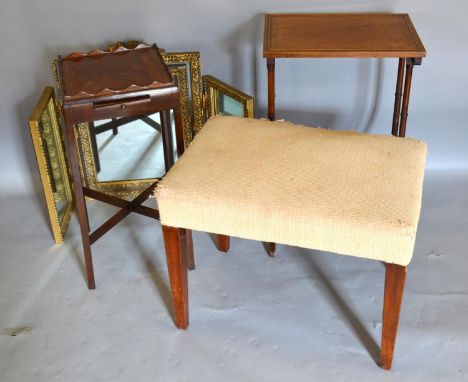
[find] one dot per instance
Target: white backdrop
(340, 94)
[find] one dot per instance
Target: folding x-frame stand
(119, 85)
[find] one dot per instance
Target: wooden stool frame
(178, 254)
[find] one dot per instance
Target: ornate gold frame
(211, 89)
(52, 162)
(191, 59)
(182, 66)
(198, 103)
(129, 189)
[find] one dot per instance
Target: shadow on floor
(339, 303)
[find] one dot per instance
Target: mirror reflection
(131, 148)
(229, 106)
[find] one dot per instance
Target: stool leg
(186, 243)
(224, 243)
(177, 267)
(271, 249)
(80, 202)
(395, 276)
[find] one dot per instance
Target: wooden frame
(177, 257)
(49, 148)
(212, 88)
(119, 98)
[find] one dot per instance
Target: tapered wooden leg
(186, 243)
(271, 249)
(177, 267)
(224, 242)
(271, 88)
(80, 202)
(398, 94)
(395, 276)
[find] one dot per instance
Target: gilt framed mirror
(221, 98)
(122, 157)
(49, 148)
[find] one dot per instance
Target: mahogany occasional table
(105, 85)
(345, 35)
(352, 35)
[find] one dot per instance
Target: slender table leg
(179, 129)
(395, 276)
(271, 247)
(80, 202)
(398, 94)
(406, 95)
(271, 88)
(167, 140)
(410, 62)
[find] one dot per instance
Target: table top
(341, 35)
(102, 73)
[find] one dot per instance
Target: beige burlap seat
(343, 192)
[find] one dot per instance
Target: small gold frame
(212, 88)
(49, 147)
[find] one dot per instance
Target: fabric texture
(339, 191)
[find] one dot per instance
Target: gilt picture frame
(185, 68)
(52, 162)
(214, 90)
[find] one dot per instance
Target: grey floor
(302, 316)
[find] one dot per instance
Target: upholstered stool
(344, 192)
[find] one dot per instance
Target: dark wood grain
(106, 73)
(177, 268)
(395, 277)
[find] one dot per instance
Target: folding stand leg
(80, 202)
(177, 267)
(395, 276)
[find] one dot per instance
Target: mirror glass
(130, 148)
(229, 106)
